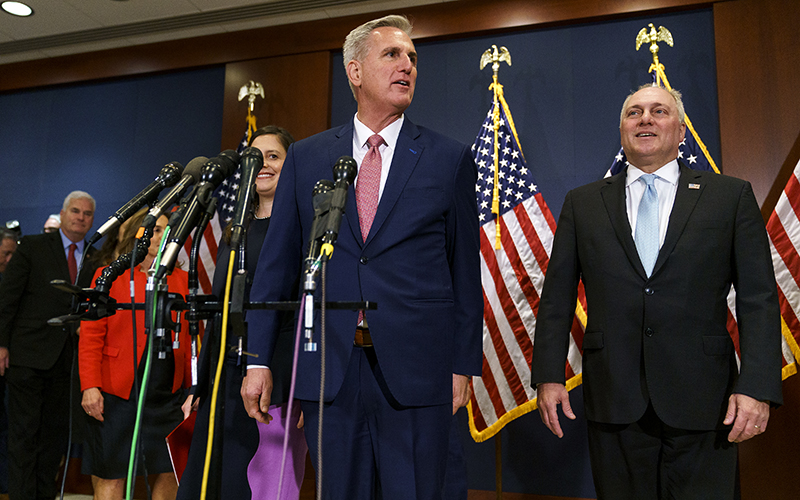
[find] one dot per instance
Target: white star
(618, 157)
(515, 154)
(692, 159)
(523, 171)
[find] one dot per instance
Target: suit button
(649, 291)
(649, 332)
(363, 260)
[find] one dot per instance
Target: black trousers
(38, 426)
(650, 460)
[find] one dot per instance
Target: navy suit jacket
(420, 264)
(663, 339)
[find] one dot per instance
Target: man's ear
(354, 73)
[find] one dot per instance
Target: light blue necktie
(647, 224)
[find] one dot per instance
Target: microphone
(321, 201)
(213, 173)
(344, 173)
(168, 176)
(251, 162)
(190, 176)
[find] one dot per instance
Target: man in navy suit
(658, 247)
(409, 242)
(37, 357)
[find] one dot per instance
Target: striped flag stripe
(509, 312)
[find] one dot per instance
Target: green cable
(145, 377)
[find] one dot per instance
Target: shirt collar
(669, 172)
(390, 133)
(66, 242)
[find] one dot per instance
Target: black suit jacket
(27, 300)
(663, 339)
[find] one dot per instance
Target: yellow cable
(223, 343)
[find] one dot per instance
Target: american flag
(784, 238)
(226, 202)
(693, 153)
(512, 278)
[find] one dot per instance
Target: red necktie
(368, 185)
(72, 264)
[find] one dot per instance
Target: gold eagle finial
(494, 56)
(251, 90)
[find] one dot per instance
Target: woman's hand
(92, 403)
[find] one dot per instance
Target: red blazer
(105, 348)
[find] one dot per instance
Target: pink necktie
(72, 264)
(369, 182)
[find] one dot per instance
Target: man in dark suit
(658, 255)
(37, 357)
(393, 383)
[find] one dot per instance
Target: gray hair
(78, 195)
(5, 234)
(356, 45)
(674, 93)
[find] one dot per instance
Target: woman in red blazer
(106, 363)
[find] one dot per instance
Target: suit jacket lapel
(613, 195)
(404, 161)
(341, 147)
(685, 201)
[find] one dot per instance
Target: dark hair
(283, 135)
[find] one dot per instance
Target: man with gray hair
(658, 247)
(409, 242)
(36, 357)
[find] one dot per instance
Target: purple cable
(291, 397)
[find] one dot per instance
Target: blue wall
(109, 139)
(565, 89)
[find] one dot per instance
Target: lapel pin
(694, 186)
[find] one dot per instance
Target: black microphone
(168, 176)
(344, 173)
(214, 171)
(190, 176)
(321, 201)
(250, 164)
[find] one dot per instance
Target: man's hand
(549, 396)
(748, 416)
(257, 393)
(3, 360)
(461, 391)
(92, 403)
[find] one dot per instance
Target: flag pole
(251, 91)
(664, 35)
(494, 56)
